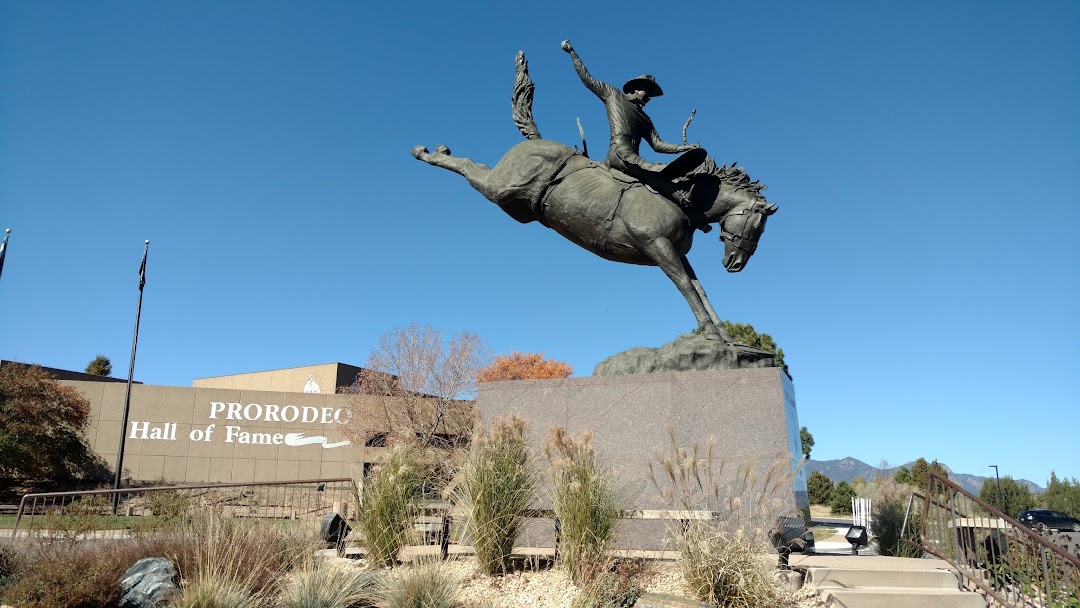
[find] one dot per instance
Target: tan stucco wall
(282, 380)
(224, 457)
(184, 454)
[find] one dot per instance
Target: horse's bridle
(742, 241)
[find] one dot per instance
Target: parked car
(1055, 520)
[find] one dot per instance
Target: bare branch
(422, 380)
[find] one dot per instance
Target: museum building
(311, 422)
(275, 425)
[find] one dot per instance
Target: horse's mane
(735, 177)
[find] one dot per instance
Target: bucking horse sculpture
(613, 214)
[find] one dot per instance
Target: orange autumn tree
(524, 366)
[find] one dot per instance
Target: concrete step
(885, 597)
(848, 578)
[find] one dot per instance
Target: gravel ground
(550, 588)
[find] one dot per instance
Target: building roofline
(278, 369)
(68, 374)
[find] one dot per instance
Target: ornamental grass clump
(321, 585)
(391, 499)
(727, 568)
(217, 590)
(426, 585)
(496, 482)
(587, 504)
(724, 559)
(231, 563)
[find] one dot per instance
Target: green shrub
(886, 520)
(11, 559)
(391, 501)
(496, 482)
(618, 588)
(587, 504)
(75, 520)
(320, 585)
(62, 575)
(422, 586)
(209, 552)
(168, 506)
(841, 500)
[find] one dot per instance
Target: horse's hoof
(419, 151)
(441, 149)
(710, 332)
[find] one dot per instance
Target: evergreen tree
(841, 500)
(920, 472)
(1011, 500)
(99, 366)
(807, 441)
(904, 476)
(819, 488)
(746, 334)
(1063, 495)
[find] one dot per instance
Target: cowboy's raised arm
(664, 147)
(600, 89)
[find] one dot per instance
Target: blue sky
(922, 274)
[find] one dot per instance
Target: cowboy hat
(645, 82)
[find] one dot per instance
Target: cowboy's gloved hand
(566, 46)
(689, 147)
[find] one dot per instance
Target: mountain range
(846, 469)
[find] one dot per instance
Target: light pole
(998, 481)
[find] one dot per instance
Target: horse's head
(740, 230)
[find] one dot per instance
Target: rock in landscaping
(150, 583)
(661, 600)
(791, 580)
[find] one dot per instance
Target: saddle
(684, 164)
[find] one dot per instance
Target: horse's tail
(522, 100)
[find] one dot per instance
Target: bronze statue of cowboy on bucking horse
(625, 209)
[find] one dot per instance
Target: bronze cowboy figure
(605, 208)
(630, 124)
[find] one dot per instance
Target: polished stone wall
(749, 415)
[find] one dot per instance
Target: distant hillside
(849, 468)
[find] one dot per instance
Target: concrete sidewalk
(866, 562)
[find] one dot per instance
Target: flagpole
(131, 373)
(3, 249)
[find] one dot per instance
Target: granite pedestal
(749, 414)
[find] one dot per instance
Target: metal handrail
(146, 489)
(962, 542)
(1074, 560)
